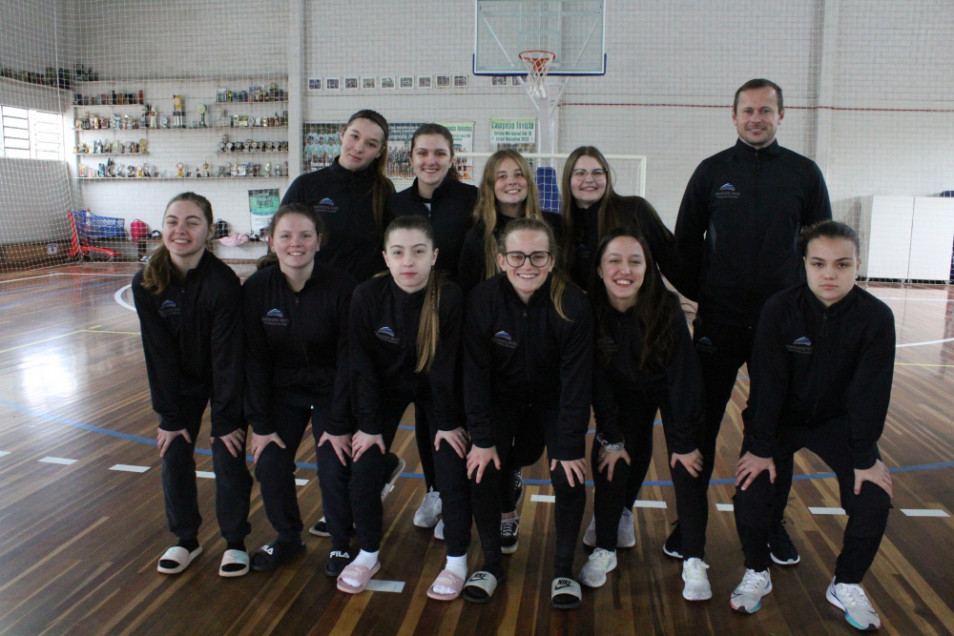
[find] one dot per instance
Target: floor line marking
(411, 475)
(121, 333)
(921, 364)
(31, 344)
(648, 503)
(129, 468)
(385, 586)
(543, 498)
(301, 482)
(205, 474)
(924, 512)
(118, 297)
(724, 507)
(822, 510)
(926, 342)
(63, 461)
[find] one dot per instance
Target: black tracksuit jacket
(192, 339)
(738, 226)
(618, 380)
(296, 345)
(812, 365)
(518, 355)
(471, 269)
(383, 352)
(451, 215)
(343, 199)
(638, 213)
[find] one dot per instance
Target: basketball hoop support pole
(546, 106)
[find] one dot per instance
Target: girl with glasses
(527, 375)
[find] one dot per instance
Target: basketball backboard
(572, 29)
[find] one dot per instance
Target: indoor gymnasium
(109, 111)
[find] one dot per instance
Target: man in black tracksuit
(822, 366)
(737, 228)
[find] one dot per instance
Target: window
(31, 134)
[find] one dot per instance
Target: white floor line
(385, 586)
(821, 510)
(543, 498)
(301, 482)
(129, 468)
(118, 297)
(648, 503)
(58, 460)
(205, 474)
(2, 453)
(924, 512)
(722, 507)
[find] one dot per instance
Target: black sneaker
(320, 529)
(337, 561)
(783, 551)
(673, 545)
(271, 555)
(509, 528)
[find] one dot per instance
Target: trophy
(178, 115)
(202, 108)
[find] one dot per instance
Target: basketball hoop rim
(537, 60)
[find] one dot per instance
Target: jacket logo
(800, 345)
(727, 191)
(387, 334)
(704, 345)
(326, 205)
(169, 308)
(275, 318)
(504, 339)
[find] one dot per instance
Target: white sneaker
(697, 586)
(589, 536)
(626, 532)
(747, 597)
(849, 597)
(594, 570)
(439, 530)
(429, 511)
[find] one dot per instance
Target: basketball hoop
(538, 64)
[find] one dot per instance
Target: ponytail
(428, 328)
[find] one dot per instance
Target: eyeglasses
(579, 173)
(537, 259)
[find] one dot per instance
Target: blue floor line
(408, 475)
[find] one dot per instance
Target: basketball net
(538, 64)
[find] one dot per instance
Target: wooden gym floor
(82, 523)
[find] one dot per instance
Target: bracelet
(610, 448)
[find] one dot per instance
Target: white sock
(367, 559)
(457, 565)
